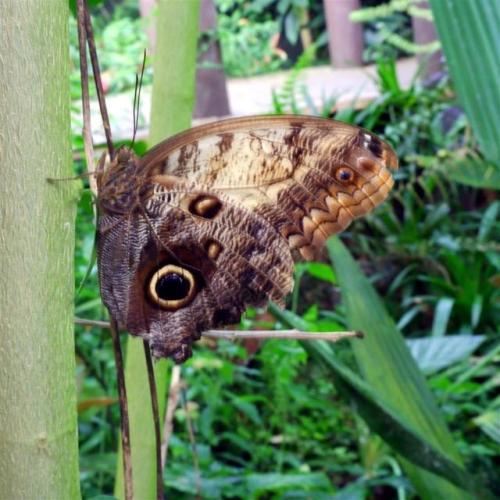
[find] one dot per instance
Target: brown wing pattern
(309, 177)
(235, 259)
(203, 225)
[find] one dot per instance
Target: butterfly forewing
(308, 176)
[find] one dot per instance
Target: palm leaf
(469, 35)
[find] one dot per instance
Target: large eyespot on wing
(191, 260)
(171, 287)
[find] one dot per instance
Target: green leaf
(260, 5)
(489, 422)
(247, 408)
(259, 483)
(468, 30)
(488, 222)
(472, 171)
(385, 420)
(321, 271)
(292, 28)
(435, 353)
(386, 363)
(442, 315)
(476, 309)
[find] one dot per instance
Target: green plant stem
(172, 105)
(38, 420)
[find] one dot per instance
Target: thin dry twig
(282, 334)
(254, 334)
(172, 403)
(125, 427)
(156, 419)
(192, 439)
(85, 36)
(84, 76)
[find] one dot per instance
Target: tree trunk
(38, 433)
(146, 8)
(172, 106)
(211, 91)
(345, 38)
(424, 32)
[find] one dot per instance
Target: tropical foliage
(300, 420)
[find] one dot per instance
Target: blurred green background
(284, 419)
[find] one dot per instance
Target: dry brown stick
(84, 79)
(125, 427)
(85, 35)
(172, 402)
(156, 418)
(192, 440)
(98, 82)
(254, 334)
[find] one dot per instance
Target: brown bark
(345, 38)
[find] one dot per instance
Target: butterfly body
(209, 221)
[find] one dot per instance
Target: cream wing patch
(308, 177)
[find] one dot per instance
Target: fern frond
(416, 11)
(410, 47)
(372, 13)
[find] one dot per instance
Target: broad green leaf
(247, 408)
(321, 271)
(276, 482)
(435, 353)
(476, 309)
(472, 171)
(385, 419)
(488, 222)
(386, 363)
(468, 30)
(292, 27)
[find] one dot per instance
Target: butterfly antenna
(137, 98)
(134, 113)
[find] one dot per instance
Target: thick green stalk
(172, 106)
(38, 432)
